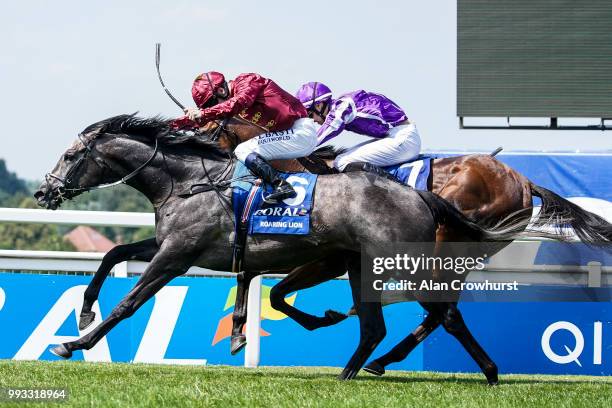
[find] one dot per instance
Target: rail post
(253, 324)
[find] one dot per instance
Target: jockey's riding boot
(262, 169)
(369, 168)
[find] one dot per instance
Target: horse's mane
(152, 128)
(158, 127)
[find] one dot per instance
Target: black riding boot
(369, 168)
(262, 169)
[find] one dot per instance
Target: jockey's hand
(193, 113)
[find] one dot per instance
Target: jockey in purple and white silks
(396, 139)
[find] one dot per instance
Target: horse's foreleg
(371, 323)
(404, 347)
(304, 277)
(454, 324)
(162, 269)
(239, 316)
(141, 250)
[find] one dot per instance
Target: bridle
(66, 182)
(222, 127)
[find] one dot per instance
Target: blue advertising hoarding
(189, 322)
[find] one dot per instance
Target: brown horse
(480, 186)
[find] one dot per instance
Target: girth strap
(242, 228)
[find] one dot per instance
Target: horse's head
(117, 150)
(101, 156)
(80, 168)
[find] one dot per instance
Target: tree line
(18, 193)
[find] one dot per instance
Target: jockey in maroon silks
(261, 101)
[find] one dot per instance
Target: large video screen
(534, 58)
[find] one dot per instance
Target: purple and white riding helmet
(314, 92)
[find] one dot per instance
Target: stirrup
(280, 193)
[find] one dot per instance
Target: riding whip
(161, 81)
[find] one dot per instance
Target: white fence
(515, 262)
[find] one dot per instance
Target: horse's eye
(68, 156)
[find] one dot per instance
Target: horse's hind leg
(404, 347)
(239, 316)
(304, 277)
(299, 278)
(141, 251)
(371, 323)
(454, 324)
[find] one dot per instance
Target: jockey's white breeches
(299, 141)
(402, 144)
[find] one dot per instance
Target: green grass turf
(115, 384)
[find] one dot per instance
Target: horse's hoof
(347, 374)
(61, 351)
(334, 317)
(86, 319)
(237, 344)
(491, 374)
(374, 368)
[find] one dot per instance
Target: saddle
(251, 218)
(415, 173)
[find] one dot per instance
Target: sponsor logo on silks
(224, 327)
(283, 135)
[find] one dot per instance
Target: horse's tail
(560, 213)
(508, 229)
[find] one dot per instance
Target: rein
(222, 127)
(66, 181)
(220, 182)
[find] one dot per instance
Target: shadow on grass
(466, 380)
(424, 378)
(290, 373)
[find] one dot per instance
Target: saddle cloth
(292, 216)
(289, 217)
(414, 174)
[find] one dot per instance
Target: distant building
(86, 239)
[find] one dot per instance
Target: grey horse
(198, 229)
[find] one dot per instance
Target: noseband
(65, 182)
